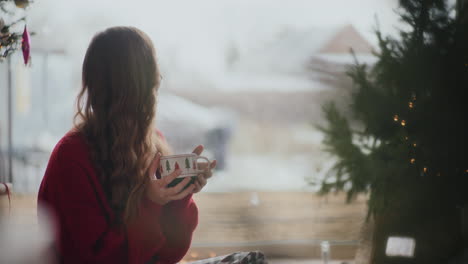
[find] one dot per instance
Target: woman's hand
(157, 190)
(203, 177)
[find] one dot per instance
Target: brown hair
(116, 108)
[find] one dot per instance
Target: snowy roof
(293, 48)
(264, 82)
(346, 58)
(287, 52)
(175, 109)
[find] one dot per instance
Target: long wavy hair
(115, 113)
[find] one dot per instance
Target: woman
(98, 183)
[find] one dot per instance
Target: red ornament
(176, 166)
(26, 46)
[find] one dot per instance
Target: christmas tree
(10, 40)
(187, 163)
(405, 145)
(168, 166)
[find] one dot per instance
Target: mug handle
(205, 158)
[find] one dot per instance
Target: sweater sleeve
(179, 220)
(84, 221)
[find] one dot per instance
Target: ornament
(21, 3)
(395, 118)
(403, 123)
(413, 160)
(26, 46)
(410, 104)
(414, 145)
(425, 169)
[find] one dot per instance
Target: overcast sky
(193, 36)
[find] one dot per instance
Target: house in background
(345, 39)
(341, 50)
(308, 65)
(277, 91)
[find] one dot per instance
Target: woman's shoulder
(70, 156)
(72, 147)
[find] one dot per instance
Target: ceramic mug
(186, 162)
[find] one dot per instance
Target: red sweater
(85, 232)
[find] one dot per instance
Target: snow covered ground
(262, 173)
(270, 172)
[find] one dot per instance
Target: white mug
(186, 162)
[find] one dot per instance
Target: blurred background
(245, 78)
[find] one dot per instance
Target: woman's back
(85, 223)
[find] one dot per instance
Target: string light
(410, 104)
(395, 118)
(403, 123)
(414, 145)
(425, 169)
(413, 160)
(406, 138)
(194, 254)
